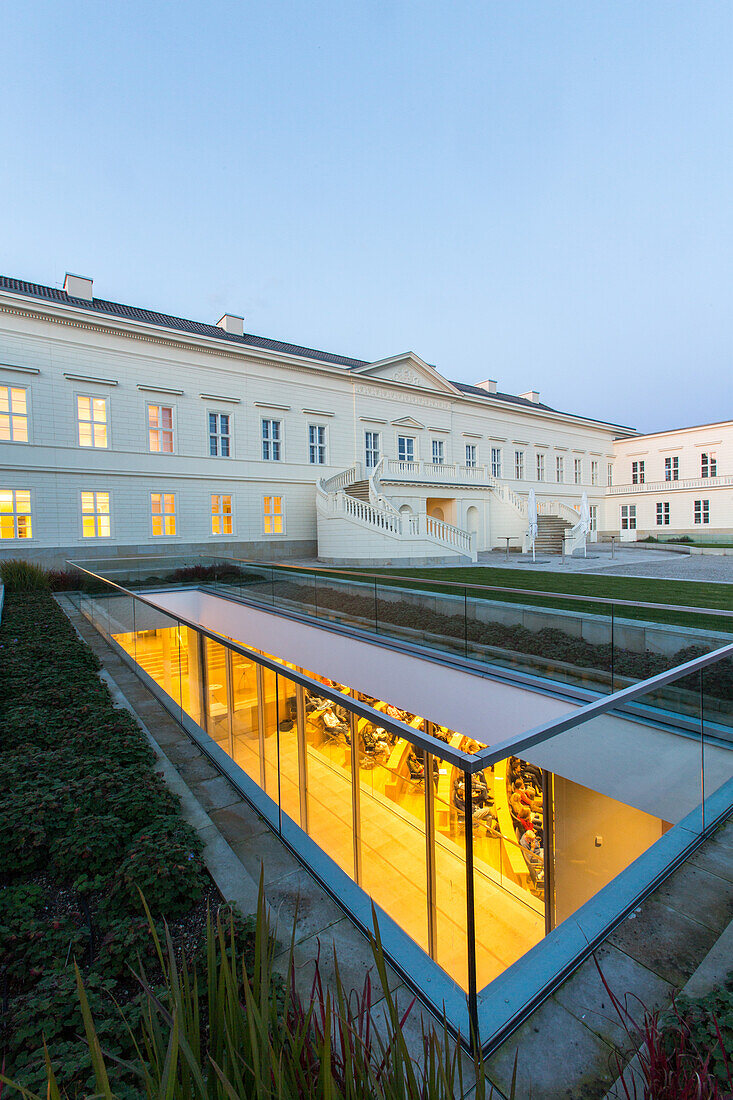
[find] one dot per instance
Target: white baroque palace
(122, 427)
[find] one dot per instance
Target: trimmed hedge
(85, 823)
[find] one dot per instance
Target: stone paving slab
(668, 942)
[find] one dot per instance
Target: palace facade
(122, 427)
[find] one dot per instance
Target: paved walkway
(568, 1046)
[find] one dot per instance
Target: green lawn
(538, 586)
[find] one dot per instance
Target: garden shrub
(162, 862)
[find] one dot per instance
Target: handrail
(336, 571)
(470, 763)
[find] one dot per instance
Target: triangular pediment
(407, 422)
(410, 370)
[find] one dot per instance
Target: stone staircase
(550, 533)
(358, 489)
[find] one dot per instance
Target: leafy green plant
(162, 862)
(22, 576)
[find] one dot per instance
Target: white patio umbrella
(585, 520)
(532, 514)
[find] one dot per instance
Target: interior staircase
(550, 533)
(358, 489)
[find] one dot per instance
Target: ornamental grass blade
(95, 1051)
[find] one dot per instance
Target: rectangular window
(471, 454)
(95, 518)
(405, 448)
(160, 428)
(672, 468)
(594, 473)
(219, 435)
(637, 473)
(438, 452)
(708, 464)
(271, 440)
(628, 517)
(496, 461)
(221, 514)
(663, 514)
(540, 467)
(273, 515)
(594, 517)
(13, 414)
(702, 511)
(609, 471)
(317, 444)
(15, 514)
(91, 418)
(559, 469)
(578, 471)
(519, 465)
(372, 449)
(163, 512)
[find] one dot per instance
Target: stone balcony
(720, 482)
(394, 470)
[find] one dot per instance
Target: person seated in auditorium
(415, 766)
(524, 820)
(525, 796)
(480, 788)
(374, 741)
(481, 814)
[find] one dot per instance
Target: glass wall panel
(217, 694)
(392, 828)
(269, 726)
(288, 749)
(450, 880)
(328, 754)
(245, 717)
(716, 702)
(192, 676)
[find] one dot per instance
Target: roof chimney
(231, 324)
(531, 395)
(489, 385)
(78, 286)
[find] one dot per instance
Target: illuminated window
(91, 417)
(13, 414)
(274, 524)
(316, 444)
(271, 440)
(160, 428)
(95, 515)
(559, 469)
(15, 514)
(163, 513)
(219, 436)
(221, 514)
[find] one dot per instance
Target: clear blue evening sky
(534, 192)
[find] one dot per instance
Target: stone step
(358, 489)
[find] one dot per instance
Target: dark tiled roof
(165, 320)
(526, 403)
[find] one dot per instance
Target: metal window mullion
(548, 848)
(470, 913)
(230, 697)
(302, 757)
(355, 794)
(430, 856)
(261, 719)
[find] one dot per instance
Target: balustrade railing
(717, 482)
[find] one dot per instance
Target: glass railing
(591, 643)
(376, 801)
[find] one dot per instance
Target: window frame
(540, 467)
(520, 466)
(273, 515)
(662, 513)
(497, 462)
(369, 434)
(577, 471)
(318, 446)
(95, 514)
(271, 441)
(218, 413)
(220, 514)
(609, 474)
(701, 512)
(9, 386)
(638, 472)
(407, 439)
(437, 446)
(92, 397)
(560, 469)
(594, 471)
(163, 493)
(672, 468)
(628, 521)
(15, 537)
(173, 429)
(708, 464)
(472, 457)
